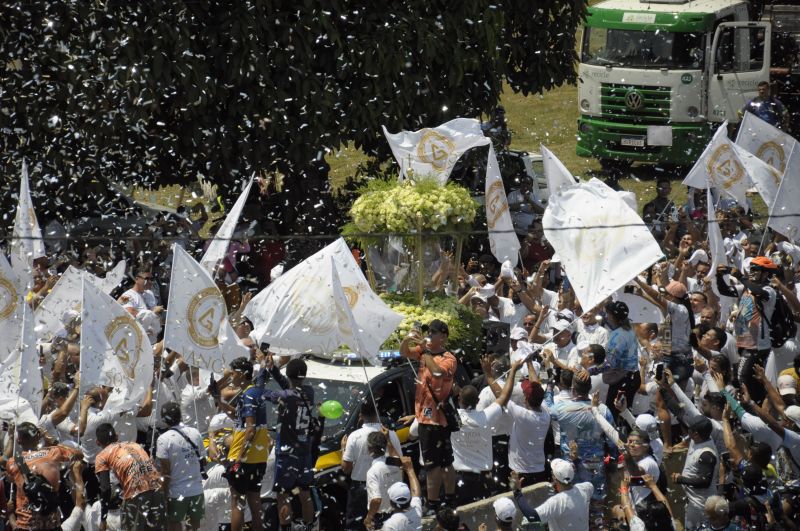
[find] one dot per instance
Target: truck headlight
(692, 111)
(584, 104)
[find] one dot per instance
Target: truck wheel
(615, 167)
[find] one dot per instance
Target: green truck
(656, 79)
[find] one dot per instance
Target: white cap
(699, 256)
(68, 316)
(793, 413)
(647, 423)
(563, 470)
(399, 493)
(518, 333)
(505, 510)
(787, 385)
(567, 314)
(506, 271)
(220, 421)
(582, 345)
(560, 325)
(487, 291)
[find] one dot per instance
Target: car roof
(352, 372)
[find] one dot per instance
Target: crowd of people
(689, 421)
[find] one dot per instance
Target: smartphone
(659, 371)
(264, 347)
(637, 481)
(393, 461)
(620, 394)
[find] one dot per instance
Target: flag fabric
(601, 241)
(197, 323)
(721, 165)
(503, 240)
(301, 311)
(640, 310)
(115, 351)
(432, 152)
(26, 241)
(219, 245)
(765, 141)
(716, 244)
(20, 377)
(765, 178)
(784, 216)
(557, 175)
(66, 295)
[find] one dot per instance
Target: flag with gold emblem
(721, 167)
(765, 141)
(197, 323)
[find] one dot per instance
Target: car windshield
(349, 394)
(642, 49)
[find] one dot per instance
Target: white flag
(20, 376)
(26, 243)
(219, 245)
(784, 217)
(557, 175)
(640, 310)
(765, 141)
(716, 244)
(601, 241)
(503, 239)
(115, 351)
(197, 319)
(721, 166)
(433, 152)
(765, 178)
(297, 312)
(67, 295)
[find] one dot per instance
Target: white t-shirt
(185, 475)
(486, 398)
(380, 477)
(197, 399)
(568, 510)
(526, 445)
(681, 327)
(648, 466)
(61, 433)
(410, 520)
(760, 431)
(356, 451)
(472, 445)
(136, 301)
(593, 334)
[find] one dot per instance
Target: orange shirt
(47, 463)
(133, 467)
(425, 406)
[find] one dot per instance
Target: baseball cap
(563, 470)
(676, 289)
(505, 510)
(763, 262)
(220, 421)
(793, 413)
(399, 493)
(787, 385)
(560, 325)
(518, 333)
(532, 390)
(647, 423)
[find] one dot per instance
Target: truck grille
(654, 110)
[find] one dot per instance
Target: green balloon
(331, 409)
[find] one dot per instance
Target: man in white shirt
(181, 458)
(139, 297)
(196, 403)
(381, 475)
(406, 502)
(472, 447)
(568, 510)
(356, 461)
(590, 331)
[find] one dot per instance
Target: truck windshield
(642, 49)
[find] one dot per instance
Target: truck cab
(657, 78)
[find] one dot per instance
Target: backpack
(42, 497)
(782, 326)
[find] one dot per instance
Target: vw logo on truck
(634, 100)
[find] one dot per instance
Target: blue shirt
(622, 351)
(576, 422)
(770, 110)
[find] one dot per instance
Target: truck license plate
(636, 142)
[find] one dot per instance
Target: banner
(765, 178)
(601, 241)
(67, 295)
(219, 245)
(115, 351)
(765, 141)
(197, 323)
(26, 241)
(640, 310)
(784, 216)
(716, 243)
(301, 311)
(503, 239)
(557, 175)
(721, 166)
(432, 152)
(20, 377)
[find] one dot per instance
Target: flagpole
(369, 387)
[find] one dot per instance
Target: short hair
(59, 389)
(565, 379)
(469, 396)
(716, 400)
(296, 369)
(716, 505)
(702, 426)
(724, 365)
(448, 519)
(243, 365)
(722, 336)
(377, 441)
(171, 413)
(27, 433)
(582, 387)
(662, 180)
(763, 84)
(368, 410)
(760, 453)
(598, 353)
(652, 328)
(105, 434)
(703, 295)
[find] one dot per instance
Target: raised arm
(652, 295)
(505, 396)
(486, 365)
